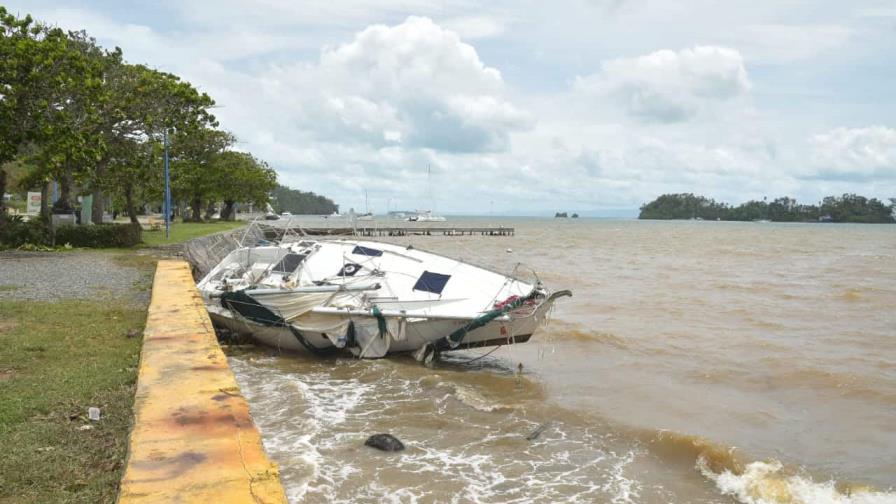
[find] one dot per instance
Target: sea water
(696, 362)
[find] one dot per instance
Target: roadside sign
(33, 203)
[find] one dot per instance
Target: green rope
(458, 336)
(380, 320)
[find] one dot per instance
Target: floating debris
(384, 442)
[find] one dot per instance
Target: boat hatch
(289, 263)
(366, 251)
(349, 269)
(431, 282)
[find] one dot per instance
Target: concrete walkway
(193, 438)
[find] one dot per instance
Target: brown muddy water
(696, 362)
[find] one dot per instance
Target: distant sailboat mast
(427, 215)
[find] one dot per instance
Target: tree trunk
(129, 204)
(227, 212)
(96, 213)
(196, 209)
(210, 210)
(64, 204)
(98, 208)
(45, 202)
(2, 200)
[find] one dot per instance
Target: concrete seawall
(193, 438)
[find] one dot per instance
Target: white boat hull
(417, 334)
(369, 298)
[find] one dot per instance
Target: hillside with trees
(284, 199)
(79, 115)
(846, 208)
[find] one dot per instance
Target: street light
(167, 204)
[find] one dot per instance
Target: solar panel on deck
(289, 263)
(365, 251)
(431, 282)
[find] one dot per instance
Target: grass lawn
(57, 359)
(183, 231)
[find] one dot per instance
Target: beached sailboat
(370, 298)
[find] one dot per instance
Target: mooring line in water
(537, 432)
(483, 355)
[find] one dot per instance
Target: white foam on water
(310, 404)
(295, 447)
(623, 490)
(764, 483)
(472, 398)
(329, 402)
(314, 422)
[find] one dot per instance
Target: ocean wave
(473, 398)
(759, 482)
(769, 483)
(566, 331)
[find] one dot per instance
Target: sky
(530, 107)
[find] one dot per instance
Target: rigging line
(483, 355)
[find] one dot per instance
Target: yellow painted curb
(193, 438)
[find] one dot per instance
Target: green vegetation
(57, 359)
(78, 114)
(289, 200)
(104, 236)
(181, 232)
(846, 208)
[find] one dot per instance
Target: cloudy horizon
(527, 108)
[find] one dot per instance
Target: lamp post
(167, 204)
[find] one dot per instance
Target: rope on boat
(455, 338)
(260, 314)
(380, 320)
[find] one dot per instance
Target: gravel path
(50, 276)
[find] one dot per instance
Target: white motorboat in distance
(370, 298)
(425, 216)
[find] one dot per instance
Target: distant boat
(561, 215)
(575, 216)
(825, 218)
(367, 215)
(426, 216)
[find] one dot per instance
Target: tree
(242, 178)
(300, 202)
(143, 104)
(846, 208)
(682, 206)
(40, 73)
(193, 168)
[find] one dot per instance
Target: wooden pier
(374, 231)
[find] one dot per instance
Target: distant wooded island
(846, 208)
(284, 199)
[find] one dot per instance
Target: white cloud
(414, 83)
(854, 154)
(670, 86)
(348, 96)
(475, 27)
(783, 43)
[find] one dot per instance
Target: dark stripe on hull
(522, 338)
